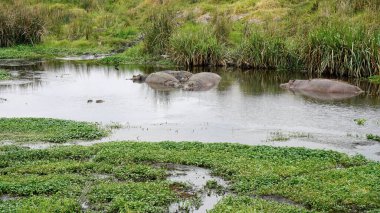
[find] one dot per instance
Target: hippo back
(202, 81)
(181, 76)
(161, 78)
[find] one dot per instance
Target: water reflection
(247, 107)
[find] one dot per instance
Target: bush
(20, 25)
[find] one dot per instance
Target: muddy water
(196, 178)
(247, 107)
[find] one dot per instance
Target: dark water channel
(247, 107)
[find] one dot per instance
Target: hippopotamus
(164, 79)
(138, 78)
(181, 76)
(323, 86)
(202, 81)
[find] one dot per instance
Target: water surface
(247, 107)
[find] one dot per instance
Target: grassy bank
(338, 37)
(48, 130)
(125, 176)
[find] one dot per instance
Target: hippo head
(288, 85)
(138, 78)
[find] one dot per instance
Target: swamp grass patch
(373, 137)
(4, 75)
(317, 179)
(375, 79)
(48, 130)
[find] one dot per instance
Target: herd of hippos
(317, 88)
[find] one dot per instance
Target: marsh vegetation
(337, 37)
(123, 176)
(48, 130)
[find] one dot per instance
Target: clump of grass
(157, 30)
(342, 51)
(20, 25)
(373, 137)
(232, 204)
(4, 75)
(279, 136)
(258, 50)
(114, 125)
(49, 130)
(375, 79)
(196, 46)
(360, 121)
(221, 27)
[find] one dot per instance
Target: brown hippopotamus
(202, 81)
(164, 79)
(321, 86)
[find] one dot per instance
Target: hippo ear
(291, 81)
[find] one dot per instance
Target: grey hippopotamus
(323, 87)
(181, 76)
(164, 79)
(202, 81)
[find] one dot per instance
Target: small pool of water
(246, 107)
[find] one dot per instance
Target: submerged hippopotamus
(181, 76)
(175, 79)
(321, 88)
(202, 81)
(163, 79)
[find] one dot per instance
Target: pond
(247, 107)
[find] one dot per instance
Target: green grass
(48, 130)
(375, 79)
(131, 181)
(373, 137)
(338, 37)
(241, 204)
(4, 75)
(52, 49)
(360, 121)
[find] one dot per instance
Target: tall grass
(221, 27)
(265, 52)
(157, 29)
(196, 46)
(342, 51)
(20, 25)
